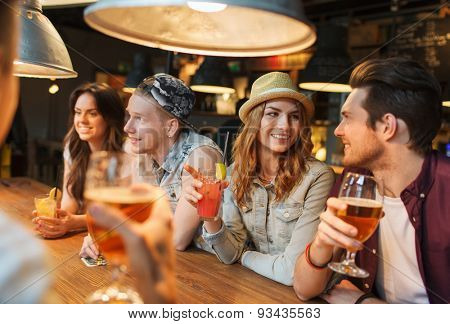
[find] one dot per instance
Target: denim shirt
(168, 175)
(276, 231)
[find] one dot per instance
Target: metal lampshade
(330, 67)
(64, 3)
(42, 53)
(139, 71)
(242, 28)
(213, 76)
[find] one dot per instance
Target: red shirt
(427, 201)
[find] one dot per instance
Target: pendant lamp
(65, 3)
(213, 76)
(42, 52)
(237, 28)
(446, 97)
(330, 67)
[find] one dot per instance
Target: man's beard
(365, 157)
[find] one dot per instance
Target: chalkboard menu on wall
(426, 41)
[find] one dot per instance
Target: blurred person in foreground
(24, 270)
(388, 123)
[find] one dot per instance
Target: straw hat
(274, 85)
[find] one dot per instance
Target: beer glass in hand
(364, 198)
(105, 184)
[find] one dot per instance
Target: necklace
(265, 180)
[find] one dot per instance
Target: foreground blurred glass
(106, 184)
(364, 198)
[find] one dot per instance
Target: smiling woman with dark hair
(96, 122)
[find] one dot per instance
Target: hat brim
(286, 93)
(182, 121)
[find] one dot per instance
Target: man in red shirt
(388, 123)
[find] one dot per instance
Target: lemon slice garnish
(51, 194)
(221, 171)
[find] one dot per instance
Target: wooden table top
(201, 278)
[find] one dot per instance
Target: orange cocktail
(208, 206)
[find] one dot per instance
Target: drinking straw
(224, 158)
(58, 173)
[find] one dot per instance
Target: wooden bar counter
(201, 278)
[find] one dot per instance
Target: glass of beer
(363, 195)
(106, 184)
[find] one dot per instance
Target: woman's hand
(191, 194)
(53, 227)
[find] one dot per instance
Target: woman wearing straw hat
(277, 190)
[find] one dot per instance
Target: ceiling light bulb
(53, 89)
(206, 6)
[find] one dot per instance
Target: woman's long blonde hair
(292, 164)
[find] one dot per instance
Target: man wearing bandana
(163, 141)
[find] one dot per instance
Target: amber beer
(364, 214)
(135, 204)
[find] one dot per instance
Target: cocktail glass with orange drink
(211, 190)
(46, 204)
(208, 206)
